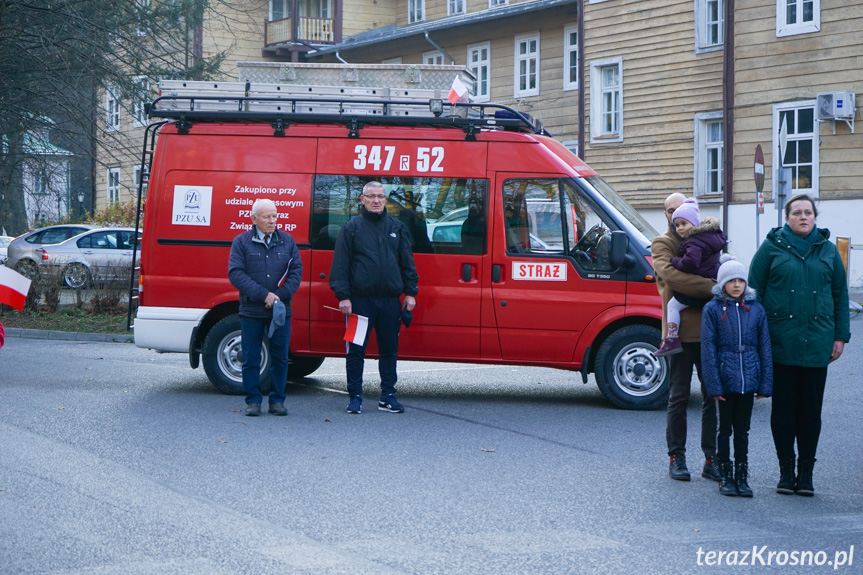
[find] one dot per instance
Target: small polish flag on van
(458, 92)
(13, 288)
(358, 326)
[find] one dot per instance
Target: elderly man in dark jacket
(265, 267)
(373, 265)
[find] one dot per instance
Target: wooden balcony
(312, 30)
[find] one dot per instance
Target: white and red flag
(358, 326)
(13, 288)
(458, 92)
(285, 275)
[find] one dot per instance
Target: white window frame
(496, 3)
(454, 7)
(597, 136)
(568, 49)
(136, 180)
(396, 60)
(483, 92)
(416, 11)
(140, 96)
(571, 145)
(112, 108)
(273, 13)
(527, 58)
(814, 188)
(433, 57)
(785, 28)
(702, 147)
(112, 184)
(703, 43)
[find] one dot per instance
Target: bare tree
(58, 57)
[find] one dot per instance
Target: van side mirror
(617, 255)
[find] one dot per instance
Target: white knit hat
(729, 270)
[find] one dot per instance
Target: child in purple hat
(698, 254)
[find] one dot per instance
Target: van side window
(442, 215)
(550, 216)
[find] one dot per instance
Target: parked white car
(4, 245)
(25, 252)
(103, 253)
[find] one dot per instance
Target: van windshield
(634, 222)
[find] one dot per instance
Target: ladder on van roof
(186, 102)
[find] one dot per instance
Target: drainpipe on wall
(581, 150)
(728, 112)
(441, 50)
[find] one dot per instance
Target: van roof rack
(281, 104)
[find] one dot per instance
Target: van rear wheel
(628, 372)
(223, 357)
(299, 367)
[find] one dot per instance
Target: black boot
(741, 474)
(804, 477)
(787, 481)
(726, 483)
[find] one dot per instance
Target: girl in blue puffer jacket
(737, 367)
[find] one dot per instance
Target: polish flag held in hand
(458, 92)
(358, 327)
(13, 288)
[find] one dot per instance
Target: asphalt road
(117, 460)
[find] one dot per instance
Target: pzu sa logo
(192, 205)
(192, 201)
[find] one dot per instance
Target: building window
(139, 97)
(797, 17)
(709, 25)
(571, 145)
(570, 58)
(40, 184)
(278, 9)
(454, 7)
(396, 60)
(479, 63)
(113, 181)
(112, 108)
(433, 57)
(526, 65)
(606, 100)
(801, 150)
(494, 3)
(416, 11)
(708, 154)
(137, 181)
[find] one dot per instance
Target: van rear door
(550, 271)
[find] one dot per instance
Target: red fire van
(525, 256)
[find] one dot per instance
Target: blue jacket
(735, 346)
(255, 269)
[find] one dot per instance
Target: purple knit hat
(688, 210)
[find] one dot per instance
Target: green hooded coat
(805, 296)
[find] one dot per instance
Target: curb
(69, 335)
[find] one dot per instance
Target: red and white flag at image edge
(13, 288)
(458, 92)
(358, 326)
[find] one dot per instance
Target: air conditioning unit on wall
(835, 106)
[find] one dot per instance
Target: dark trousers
(384, 315)
(798, 394)
(735, 413)
(680, 382)
(253, 332)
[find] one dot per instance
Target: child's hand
(718, 398)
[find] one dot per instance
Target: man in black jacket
(373, 265)
(265, 267)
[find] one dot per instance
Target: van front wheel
(628, 372)
(223, 357)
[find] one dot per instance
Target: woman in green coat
(800, 281)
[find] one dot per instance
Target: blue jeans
(253, 331)
(384, 315)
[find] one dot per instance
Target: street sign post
(759, 192)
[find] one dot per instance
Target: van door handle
(465, 273)
(495, 273)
